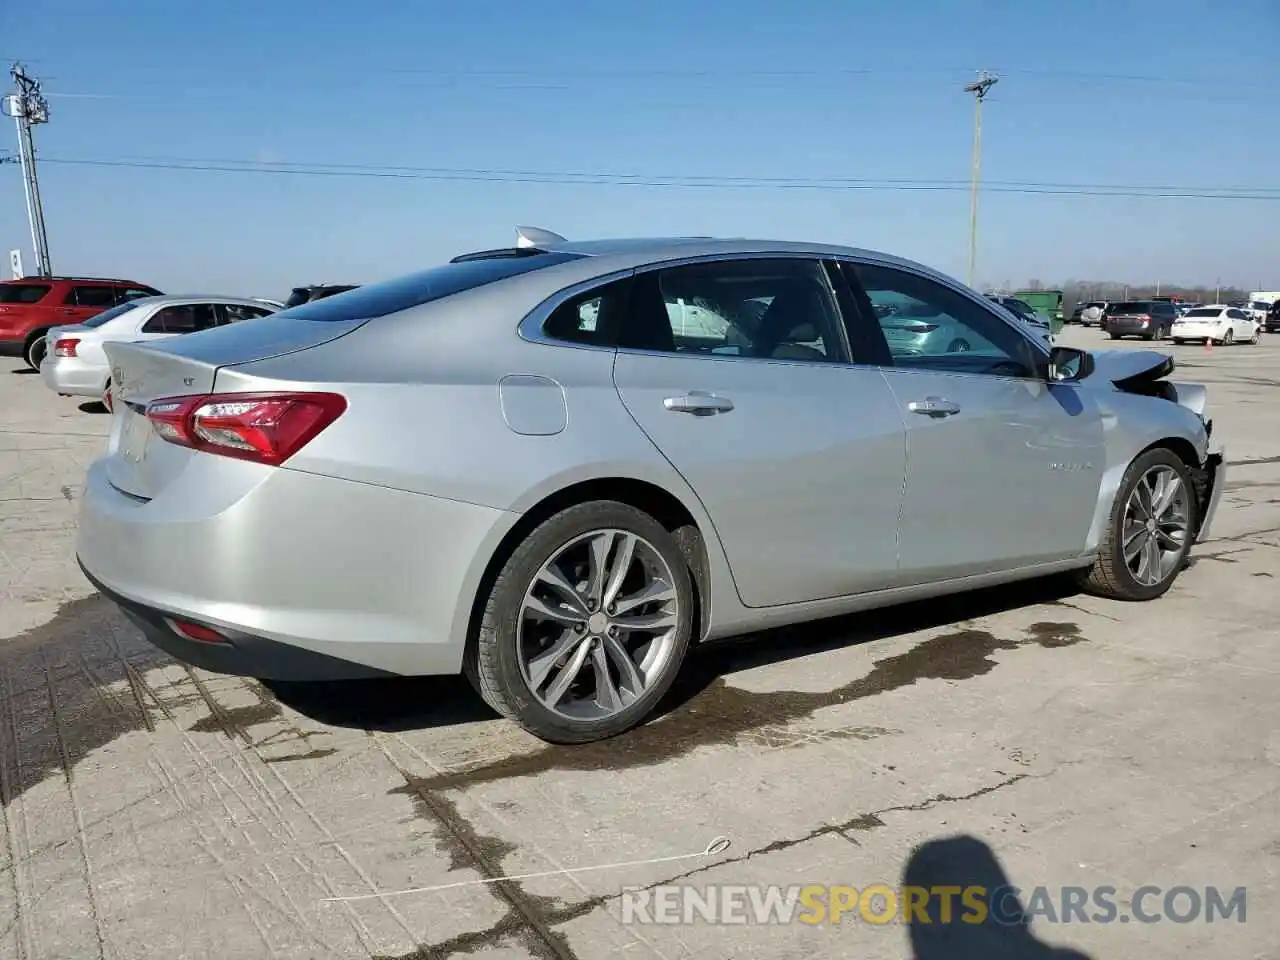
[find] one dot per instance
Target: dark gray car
(1148, 319)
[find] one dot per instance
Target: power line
(682, 181)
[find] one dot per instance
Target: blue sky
(1148, 93)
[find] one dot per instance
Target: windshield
(111, 314)
(1204, 312)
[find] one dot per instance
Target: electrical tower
(979, 88)
(28, 107)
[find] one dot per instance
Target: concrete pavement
(1050, 738)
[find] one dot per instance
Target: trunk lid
(138, 461)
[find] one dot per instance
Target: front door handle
(698, 403)
(934, 407)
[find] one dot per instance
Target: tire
(1178, 341)
(1253, 341)
(1111, 575)
(1228, 338)
(1115, 336)
(35, 351)
(497, 664)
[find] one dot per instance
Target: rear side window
(23, 292)
(107, 315)
(392, 296)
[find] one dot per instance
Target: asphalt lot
(155, 811)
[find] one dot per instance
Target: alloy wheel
(1156, 525)
(598, 625)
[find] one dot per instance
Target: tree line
(1082, 291)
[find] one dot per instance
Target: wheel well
(1200, 477)
(652, 499)
(33, 336)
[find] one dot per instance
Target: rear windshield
(22, 292)
(1133, 306)
(392, 296)
(99, 319)
(1204, 312)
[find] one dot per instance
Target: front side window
(930, 326)
(768, 309)
(186, 318)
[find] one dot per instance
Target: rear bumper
(74, 377)
(242, 655)
(1198, 331)
(302, 573)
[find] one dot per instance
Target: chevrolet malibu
(528, 466)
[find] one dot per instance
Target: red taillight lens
(106, 399)
(196, 631)
(65, 347)
(264, 427)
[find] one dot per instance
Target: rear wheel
(587, 624)
(1257, 331)
(1179, 341)
(1115, 336)
(35, 350)
(1149, 532)
(1228, 338)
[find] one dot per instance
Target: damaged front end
(1144, 372)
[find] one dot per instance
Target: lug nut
(613, 608)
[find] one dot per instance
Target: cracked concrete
(155, 811)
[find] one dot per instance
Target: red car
(31, 306)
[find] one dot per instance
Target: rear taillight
(65, 347)
(264, 427)
(106, 399)
(195, 631)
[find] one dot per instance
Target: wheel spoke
(540, 666)
(606, 692)
(627, 672)
(656, 591)
(560, 686)
(659, 620)
(560, 613)
(1169, 489)
(553, 578)
(1151, 560)
(1135, 543)
(597, 567)
(621, 567)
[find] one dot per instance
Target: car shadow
(990, 924)
(94, 406)
(413, 703)
(24, 372)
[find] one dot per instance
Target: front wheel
(587, 624)
(1149, 532)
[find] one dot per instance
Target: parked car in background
(1258, 309)
(1273, 318)
(75, 362)
(271, 303)
(316, 291)
(31, 306)
(1042, 324)
(1147, 319)
(598, 490)
(1217, 322)
(1046, 302)
(1092, 311)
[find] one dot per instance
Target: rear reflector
(65, 347)
(264, 427)
(195, 631)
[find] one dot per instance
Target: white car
(1220, 323)
(74, 362)
(1258, 309)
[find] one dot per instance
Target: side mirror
(1068, 365)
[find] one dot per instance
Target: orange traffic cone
(1208, 344)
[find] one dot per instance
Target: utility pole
(28, 107)
(979, 88)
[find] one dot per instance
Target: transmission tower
(28, 107)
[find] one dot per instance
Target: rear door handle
(698, 403)
(934, 407)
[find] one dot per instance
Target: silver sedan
(555, 467)
(75, 362)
